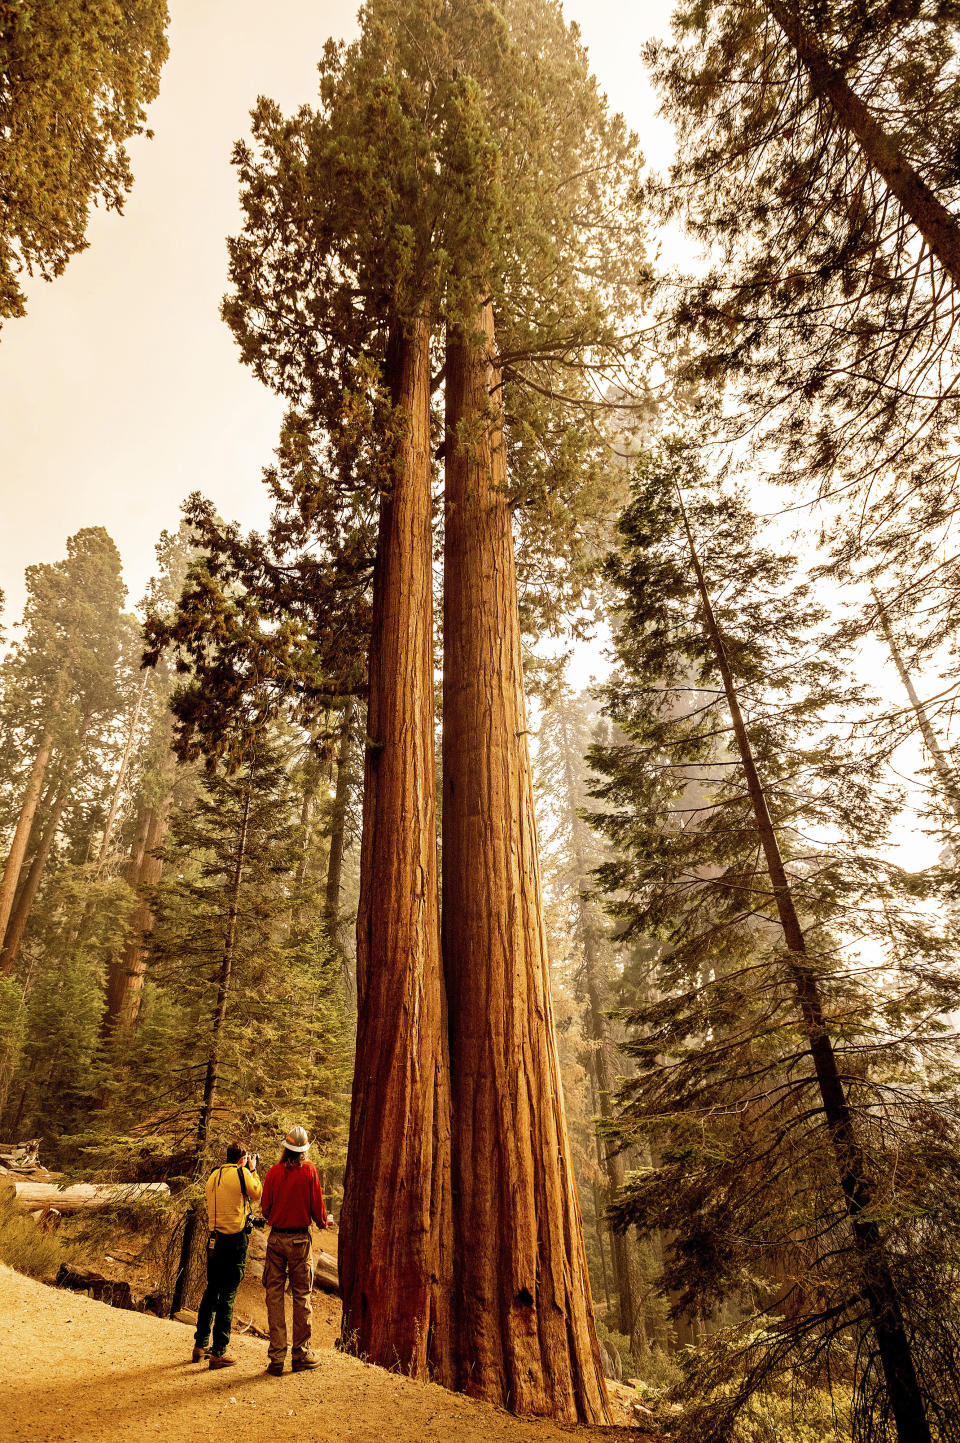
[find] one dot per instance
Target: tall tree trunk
(395, 1223)
(599, 1198)
(624, 1275)
(338, 826)
(21, 835)
(121, 776)
(213, 1056)
(126, 974)
(879, 1288)
(525, 1325)
(28, 893)
(943, 769)
(934, 222)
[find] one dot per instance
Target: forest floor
(78, 1371)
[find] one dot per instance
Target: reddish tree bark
(21, 835)
(28, 893)
(395, 1225)
(525, 1320)
(127, 973)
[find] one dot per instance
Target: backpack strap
(243, 1189)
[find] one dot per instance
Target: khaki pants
(288, 1253)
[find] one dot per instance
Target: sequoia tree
(61, 678)
(447, 176)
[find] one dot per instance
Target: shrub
(26, 1247)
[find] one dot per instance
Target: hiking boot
(275, 1368)
(309, 1360)
(199, 1354)
(220, 1360)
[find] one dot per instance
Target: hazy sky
(121, 391)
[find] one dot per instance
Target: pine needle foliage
(743, 1170)
(817, 161)
(76, 77)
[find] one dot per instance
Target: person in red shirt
(292, 1199)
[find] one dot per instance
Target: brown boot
(308, 1360)
(199, 1354)
(220, 1360)
(275, 1368)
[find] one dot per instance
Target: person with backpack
(292, 1199)
(231, 1192)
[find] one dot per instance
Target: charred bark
(395, 1225)
(525, 1319)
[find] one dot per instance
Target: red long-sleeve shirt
(292, 1196)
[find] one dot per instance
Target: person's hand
(330, 1221)
(253, 1162)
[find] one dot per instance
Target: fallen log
(326, 1275)
(114, 1291)
(81, 1197)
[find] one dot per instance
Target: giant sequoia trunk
(21, 835)
(881, 1302)
(395, 1225)
(525, 1322)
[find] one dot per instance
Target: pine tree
(796, 1113)
(223, 938)
(817, 160)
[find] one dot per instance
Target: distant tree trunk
(395, 1223)
(338, 826)
(879, 1289)
(212, 1078)
(21, 835)
(933, 221)
(942, 767)
(27, 895)
(599, 1201)
(126, 974)
(624, 1270)
(121, 776)
(525, 1326)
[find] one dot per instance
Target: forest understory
(553, 808)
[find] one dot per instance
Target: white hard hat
(296, 1140)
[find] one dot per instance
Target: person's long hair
(292, 1159)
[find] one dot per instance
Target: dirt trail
(76, 1371)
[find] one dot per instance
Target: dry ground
(76, 1371)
